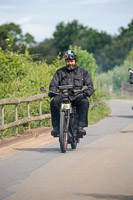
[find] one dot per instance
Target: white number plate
(65, 106)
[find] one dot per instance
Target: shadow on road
(108, 196)
(126, 131)
(122, 116)
(40, 150)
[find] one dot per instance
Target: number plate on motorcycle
(65, 106)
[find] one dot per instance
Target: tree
(9, 29)
(28, 40)
(113, 55)
(66, 35)
(16, 32)
(126, 32)
(45, 51)
(93, 41)
(78, 35)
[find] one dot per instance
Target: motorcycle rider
(131, 76)
(71, 74)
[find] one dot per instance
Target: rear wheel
(63, 132)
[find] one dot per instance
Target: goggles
(69, 57)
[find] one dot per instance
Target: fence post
(16, 117)
(28, 112)
(2, 118)
(40, 111)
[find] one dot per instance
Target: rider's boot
(55, 132)
(81, 131)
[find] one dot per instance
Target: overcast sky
(40, 17)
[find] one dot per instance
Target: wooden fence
(15, 102)
(126, 88)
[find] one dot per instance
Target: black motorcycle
(68, 132)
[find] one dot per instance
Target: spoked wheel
(63, 132)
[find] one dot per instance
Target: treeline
(109, 51)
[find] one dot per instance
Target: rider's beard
(71, 67)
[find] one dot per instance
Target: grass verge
(98, 112)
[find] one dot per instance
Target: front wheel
(63, 132)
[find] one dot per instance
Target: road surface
(100, 168)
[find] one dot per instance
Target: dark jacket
(77, 77)
(131, 78)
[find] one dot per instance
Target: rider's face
(70, 63)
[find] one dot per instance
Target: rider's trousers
(81, 103)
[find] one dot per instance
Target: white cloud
(4, 17)
(95, 1)
(22, 20)
(39, 31)
(7, 7)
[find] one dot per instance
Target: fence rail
(28, 119)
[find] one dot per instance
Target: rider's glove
(51, 94)
(87, 93)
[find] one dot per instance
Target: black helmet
(70, 55)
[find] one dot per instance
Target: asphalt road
(100, 168)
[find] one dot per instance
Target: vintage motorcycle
(68, 131)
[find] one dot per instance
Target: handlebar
(67, 90)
